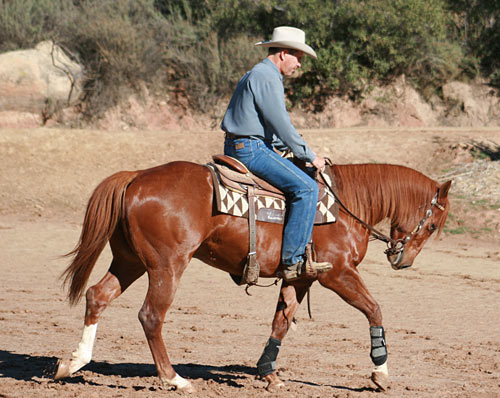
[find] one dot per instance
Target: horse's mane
(376, 191)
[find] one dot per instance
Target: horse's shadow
(25, 367)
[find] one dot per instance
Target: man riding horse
(157, 220)
(256, 122)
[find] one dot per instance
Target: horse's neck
(372, 191)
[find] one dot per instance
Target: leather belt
(236, 136)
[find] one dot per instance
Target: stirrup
(314, 268)
(305, 269)
(320, 268)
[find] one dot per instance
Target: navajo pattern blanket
(270, 208)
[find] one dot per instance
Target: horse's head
(410, 238)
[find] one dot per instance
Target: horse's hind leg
(289, 300)
(163, 283)
(117, 279)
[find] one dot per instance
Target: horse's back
(178, 194)
(174, 179)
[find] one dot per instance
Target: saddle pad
(268, 208)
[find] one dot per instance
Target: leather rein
(394, 246)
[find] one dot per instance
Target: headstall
(397, 247)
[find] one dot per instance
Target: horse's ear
(443, 189)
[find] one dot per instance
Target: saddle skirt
(232, 181)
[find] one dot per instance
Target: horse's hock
(35, 83)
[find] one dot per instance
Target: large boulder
(37, 81)
(472, 104)
(398, 105)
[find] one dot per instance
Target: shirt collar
(271, 64)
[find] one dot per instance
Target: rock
(38, 81)
(398, 105)
(473, 104)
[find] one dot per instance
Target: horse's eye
(432, 227)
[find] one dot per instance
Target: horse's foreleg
(289, 300)
(347, 283)
(98, 297)
(160, 295)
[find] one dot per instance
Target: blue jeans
(300, 189)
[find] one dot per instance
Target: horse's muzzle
(396, 259)
(400, 267)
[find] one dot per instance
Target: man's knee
(308, 192)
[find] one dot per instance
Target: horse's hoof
(179, 384)
(381, 380)
(273, 382)
(62, 369)
(188, 389)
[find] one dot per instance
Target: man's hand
(319, 162)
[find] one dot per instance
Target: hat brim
(289, 44)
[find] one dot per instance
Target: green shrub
(121, 44)
(199, 49)
(377, 40)
(477, 28)
(24, 23)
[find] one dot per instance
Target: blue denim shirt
(258, 108)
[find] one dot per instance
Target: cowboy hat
(288, 37)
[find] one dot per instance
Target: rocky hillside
(42, 87)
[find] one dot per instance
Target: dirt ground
(441, 316)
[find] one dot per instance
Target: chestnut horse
(157, 220)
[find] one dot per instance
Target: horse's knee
(149, 320)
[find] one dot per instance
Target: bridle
(395, 247)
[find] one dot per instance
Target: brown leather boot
(292, 272)
(296, 271)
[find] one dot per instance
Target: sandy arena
(441, 316)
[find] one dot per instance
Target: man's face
(291, 61)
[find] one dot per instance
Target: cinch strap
(252, 268)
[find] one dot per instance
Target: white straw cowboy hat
(288, 37)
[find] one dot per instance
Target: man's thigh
(280, 172)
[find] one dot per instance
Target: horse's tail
(104, 209)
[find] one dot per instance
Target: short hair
(275, 50)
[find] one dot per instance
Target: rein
(375, 233)
(394, 247)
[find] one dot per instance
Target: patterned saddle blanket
(232, 180)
